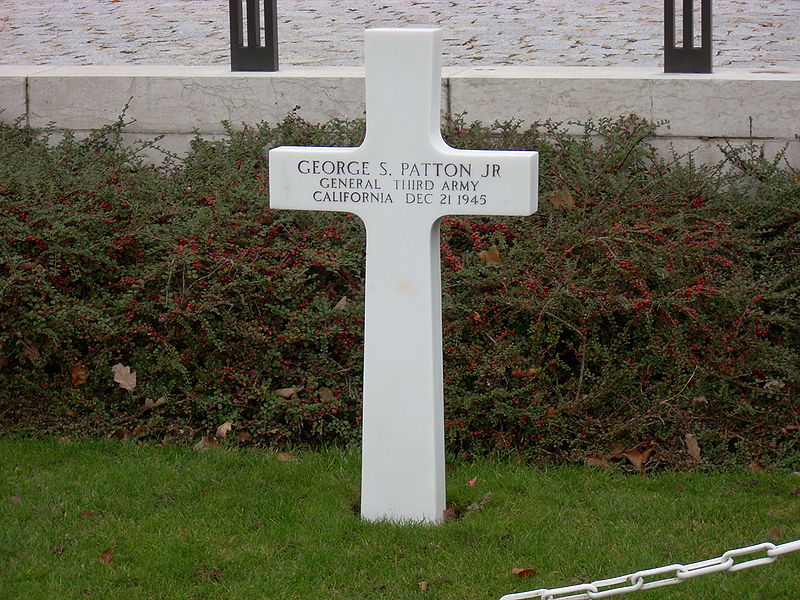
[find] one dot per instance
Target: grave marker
(401, 181)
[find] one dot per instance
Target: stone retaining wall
(703, 110)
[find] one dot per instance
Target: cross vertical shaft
(403, 424)
(403, 439)
(404, 92)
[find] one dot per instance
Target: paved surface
(755, 34)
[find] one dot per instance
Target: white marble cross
(401, 181)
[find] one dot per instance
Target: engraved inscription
(413, 183)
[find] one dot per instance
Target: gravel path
(754, 34)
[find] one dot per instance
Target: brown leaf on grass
(597, 461)
(562, 198)
(774, 534)
(423, 585)
(149, 403)
(450, 514)
(124, 376)
(692, 447)
(16, 500)
(287, 392)
(212, 574)
(118, 433)
(326, 395)
(286, 457)
(70, 413)
(79, 375)
(476, 506)
(492, 255)
(58, 549)
(89, 515)
(107, 556)
(524, 572)
(341, 304)
(223, 430)
(638, 458)
(208, 441)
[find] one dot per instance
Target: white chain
(677, 574)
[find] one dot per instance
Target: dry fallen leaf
(492, 255)
(774, 386)
(286, 457)
(326, 395)
(212, 574)
(223, 430)
(562, 198)
(526, 372)
(243, 437)
(124, 376)
(450, 514)
(79, 374)
(16, 500)
(341, 304)
(287, 392)
(423, 585)
(774, 534)
(476, 506)
(208, 441)
(638, 458)
(89, 515)
(524, 572)
(118, 433)
(692, 447)
(58, 549)
(31, 352)
(107, 556)
(597, 461)
(148, 403)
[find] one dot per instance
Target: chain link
(637, 581)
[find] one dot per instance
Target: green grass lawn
(106, 519)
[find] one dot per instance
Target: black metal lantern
(254, 56)
(687, 58)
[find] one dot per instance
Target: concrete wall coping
(491, 72)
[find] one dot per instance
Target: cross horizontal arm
(431, 182)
